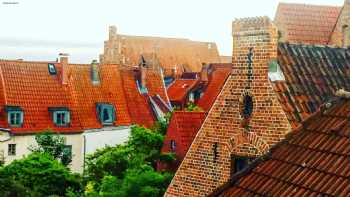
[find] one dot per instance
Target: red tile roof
(30, 86)
(179, 89)
(136, 101)
(183, 127)
(217, 78)
(308, 24)
(155, 84)
(312, 161)
(171, 51)
(312, 75)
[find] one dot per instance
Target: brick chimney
(95, 72)
(204, 72)
(245, 120)
(64, 64)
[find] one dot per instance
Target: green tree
(193, 107)
(129, 169)
(54, 145)
(42, 175)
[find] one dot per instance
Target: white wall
(23, 142)
(94, 139)
(99, 138)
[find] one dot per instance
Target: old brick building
(245, 120)
(314, 24)
(175, 55)
(311, 161)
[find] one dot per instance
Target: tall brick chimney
(64, 63)
(245, 120)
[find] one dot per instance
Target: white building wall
(94, 139)
(109, 136)
(23, 142)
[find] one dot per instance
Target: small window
(52, 69)
(14, 116)
(172, 145)
(247, 106)
(106, 113)
(11, 149)
(239, 163)
(61, 118)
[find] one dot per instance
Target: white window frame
(18, 121)
(66, 118)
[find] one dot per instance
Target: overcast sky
(40, 29)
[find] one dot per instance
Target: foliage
(40, 175)
(11, 187)
(161, 126)
(129, 169)
(193, 107)
(54, 145)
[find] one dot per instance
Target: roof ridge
(310, 5)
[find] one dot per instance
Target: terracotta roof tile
(136, 101)
(312, 160)
(155, 84)
(308, 24)
(312, 74)
(30, 86)
(179, 89)
(183, 128)
(171, 52)
(217, 78)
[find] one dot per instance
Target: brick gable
(225, 132)
(337, 37)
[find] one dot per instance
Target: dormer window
(106, 113)
(60, 116)
(52, 69)
(14, 116)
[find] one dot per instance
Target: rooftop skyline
(39, 30)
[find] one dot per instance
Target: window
(60, 116)
(239, 163)
(11, 149)
(247, 106)
(14, 116)
(106, 113)
(346, 36)
(172, 145)
(52, 69)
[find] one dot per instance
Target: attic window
(52, 69)
(172, 145)
(60, 116)
(14, 116)
(106, 113)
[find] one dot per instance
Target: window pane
(12, 149)
(106, 116)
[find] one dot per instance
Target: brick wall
(343, 20)
(207, 163)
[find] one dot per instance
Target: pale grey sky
(40, 29)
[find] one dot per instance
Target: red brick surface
(343, 20)
(201, 172)
(312, 161)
